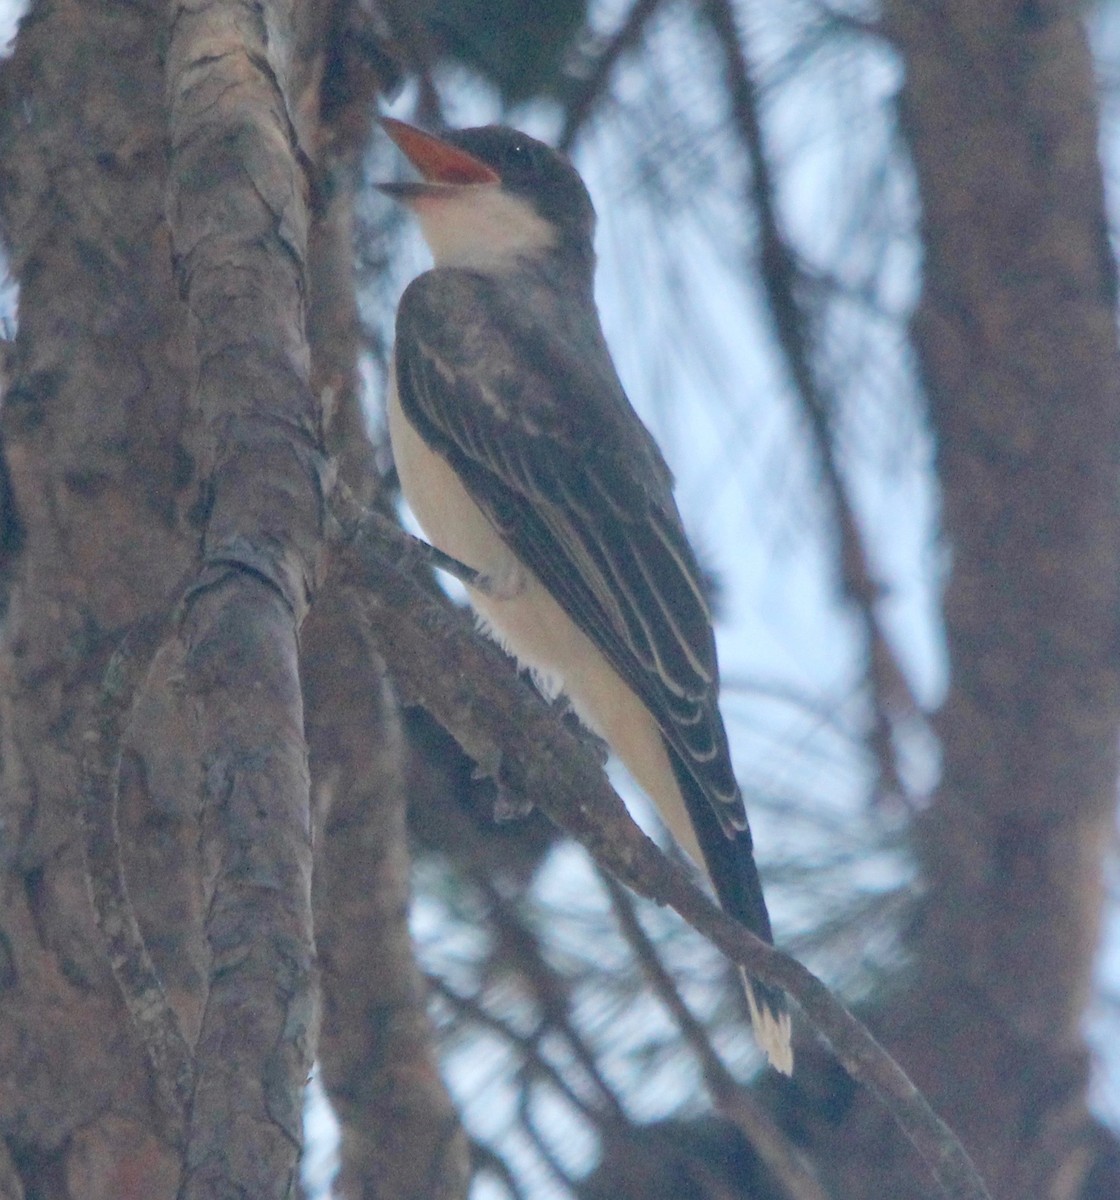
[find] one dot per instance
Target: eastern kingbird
(521, 457)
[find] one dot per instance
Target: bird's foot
(583, 735)
(508, 805)
(506, 584)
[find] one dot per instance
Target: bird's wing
(538, 428)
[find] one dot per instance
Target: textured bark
(94, 426)
(1016, 335)
(161, 387)
(400, 1134)
(238, 215)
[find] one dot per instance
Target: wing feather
(536, 425)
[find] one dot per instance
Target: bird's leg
(435, 557)
(497, 587)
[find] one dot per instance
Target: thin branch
(472, 1009)
(523, 948)
(487, 1159)
(508, 730)
(781, 276)
(836, 20)
(598, 77)
(419, 53)
(539, 1143)
(784, 1161)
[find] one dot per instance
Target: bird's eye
(519, 156)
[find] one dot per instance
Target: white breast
(446, 512)
(482, 228)
(531, 625)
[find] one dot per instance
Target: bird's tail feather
(731, 868)
(771, 1022)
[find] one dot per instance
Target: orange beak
(439, 162)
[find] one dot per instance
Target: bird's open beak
(442, 165)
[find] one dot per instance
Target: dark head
(492, 197)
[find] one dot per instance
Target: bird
(522, 458)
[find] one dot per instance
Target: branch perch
(734, 1101)
(467, 685)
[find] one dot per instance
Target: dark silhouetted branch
(735, 1102)
(500, 722)
(597, 80)
(781, 276)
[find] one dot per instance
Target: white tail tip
(772, 1027)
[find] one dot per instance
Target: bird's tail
(731, 868)
(770, 1022)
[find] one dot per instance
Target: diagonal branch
(536, 1065)
(598, 77)
(733, 1100)
(466, 684)
(522, 948)
(781, 274)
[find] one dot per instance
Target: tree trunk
(1016, 336)
(185, 357)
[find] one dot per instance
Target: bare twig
(547, 1155)
(500, 722)
(845, 22)
(597, 79)
(419, 54)
(736, 1103)
(486, 1159)
(522, 947)
(535, 1064)
(781, 276)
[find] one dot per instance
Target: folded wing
(535, 423)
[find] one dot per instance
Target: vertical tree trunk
(129, 432)
(1016, 336)
(95, 430)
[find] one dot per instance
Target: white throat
(480, 227)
